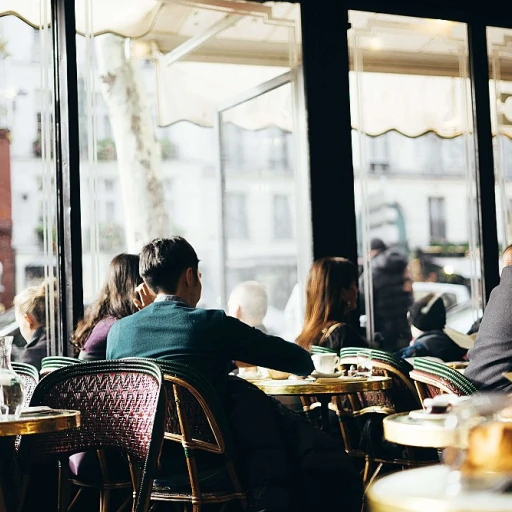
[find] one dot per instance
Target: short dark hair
(376, 244)
(163, 260)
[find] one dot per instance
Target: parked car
(452, 294)
(462, 317)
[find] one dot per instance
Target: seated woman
(116, 300)
(430, 335)
(30, 311)
(331, 293)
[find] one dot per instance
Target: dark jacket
(434, 344)
(35, 349)
(95, 346)
(288, 464)
(343, 335)
(390, 302)
(492, 353)
(206, 339)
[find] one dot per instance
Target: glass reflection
(150, 151)
(28, 234)
(414, 165)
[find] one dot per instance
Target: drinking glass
(364, 365)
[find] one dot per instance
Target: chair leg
(375, 473)
(126, 503)
(367, 469)
(63, 486)
(75, 499)
(104, 500)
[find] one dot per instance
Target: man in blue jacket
(173, 328)
(280, 453)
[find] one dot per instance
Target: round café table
(28, 424)
(424, 433)
(323, 388)
(428, 489)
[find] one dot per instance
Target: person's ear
(31, 321)
(345, 294)
(237, 313)
(190, 276)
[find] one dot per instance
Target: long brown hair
(115, 298)
(327, 279)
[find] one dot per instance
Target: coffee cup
(325, 363)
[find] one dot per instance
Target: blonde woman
(30, 310)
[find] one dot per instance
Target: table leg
(9, 476)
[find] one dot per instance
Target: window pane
(151, 154)
(28, 234)
(268, 175)
(282, 217)
(436, 209)
(501, 117)
(414, 164)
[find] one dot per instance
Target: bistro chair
(362, 414)
(432, 378)
(196, 420)
(50, 363)
(122, 406)
(317, 349)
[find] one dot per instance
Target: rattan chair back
(432, 378)
(196, 420)
(317, 349)
(122, 406)
(50, 363)
(402, 397)
(372, 405)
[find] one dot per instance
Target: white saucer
(422, 415)
(320, 375)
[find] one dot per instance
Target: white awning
(398, 90)
(194, 91)
(414, 105)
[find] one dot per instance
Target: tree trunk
(138, 152)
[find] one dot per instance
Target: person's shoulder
(506, 275)
(102, 327)
(209, 313)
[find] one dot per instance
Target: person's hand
(145, 296)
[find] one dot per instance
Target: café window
(282, 217)
(28, 218)
(437, 219)
(417, 127)
(237, 224)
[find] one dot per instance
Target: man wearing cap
(392, 295)
(431, 336)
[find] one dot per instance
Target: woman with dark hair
(331, 294)
(117, 299)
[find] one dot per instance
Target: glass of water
(364, 365)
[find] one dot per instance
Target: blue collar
(171, 298)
